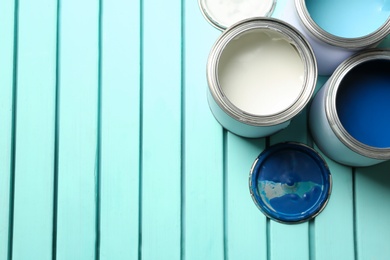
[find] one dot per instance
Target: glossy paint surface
(362, 103)
(351, 18)
(249, 69)
(290, 182)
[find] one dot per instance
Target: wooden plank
(120, 129)
(203, 165)
(281, 235)
(36, 85)
(337, 241)
(372, 190)
(161, 135)
(6, 90)
(77, 162)
(246, 225)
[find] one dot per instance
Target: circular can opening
(363, 103)
(224, 13)
(261, 72)
(349, 19)
(290, 182)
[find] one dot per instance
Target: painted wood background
(108, 149)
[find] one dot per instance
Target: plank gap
(312, 237)
(225, 192)
(268, 234)
(13, 141)
(182, 133)
(141, 99)
(56, 134)
(99, 134)
(354, 213)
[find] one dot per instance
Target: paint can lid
(224, 13)
(290, 182)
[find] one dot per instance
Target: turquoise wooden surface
(246, 229)
(202, 147)
(35, 130)
(77, 116)
(120, 131)
(108, 149)
(372, 188)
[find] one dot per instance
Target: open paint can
(224, 13)
(350, 116)
(261, 72)
(338, 29)
(290, 183)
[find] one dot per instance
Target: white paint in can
(261, 73)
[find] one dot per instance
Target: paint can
(290, 183)
(338, 29)
(350, 116)
(261, 72)
(223, 14)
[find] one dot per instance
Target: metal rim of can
(330, 104)
(220, 25)
(303, 48)
(343, 42)
(325, 172)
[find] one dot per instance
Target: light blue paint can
(338, 29)
(350, 115)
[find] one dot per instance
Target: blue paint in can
(363, 103)
(349, 18)
(290, 182)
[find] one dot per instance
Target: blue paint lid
(290, 182)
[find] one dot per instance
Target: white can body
(330, 50)
(239, 127)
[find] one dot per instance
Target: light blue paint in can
(350, 116)
(349, 18)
